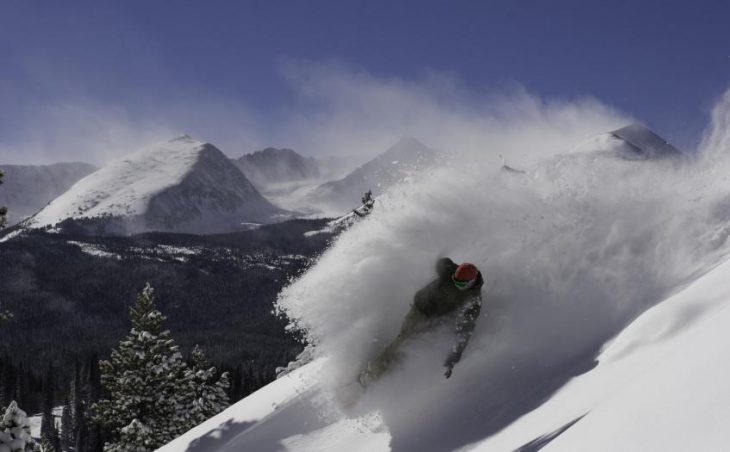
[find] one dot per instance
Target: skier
(455, 295)
(368, 202)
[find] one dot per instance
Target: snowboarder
(454, 295)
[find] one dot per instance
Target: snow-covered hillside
(604, 319)
(660, 385)
(181, 185)
(26, 189)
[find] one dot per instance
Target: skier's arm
(464, 327)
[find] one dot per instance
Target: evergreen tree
(20, 388)
(211, 396)
(76, 403)
(150, 386)
(81, 434)
(67, 427)
(56, 439)
(7, 382)
(3, 210)
(15, 431)
(48, 423)
(95, 435)
(4, 314)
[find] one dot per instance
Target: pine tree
(67, 427)
(211, 396)
(20, 388)
(149, 384)
(4, 314)
(15, 431)
(55, 439)
(76, 403)
(88, 436)
(48, 423)
(7, 382)
(3, 210)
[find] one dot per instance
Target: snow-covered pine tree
(150, 386)
(15, 431)
(211, 397)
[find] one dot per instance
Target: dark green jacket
(441, 298)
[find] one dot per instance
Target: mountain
(28, 188)
(277, 165)
(633, 142)
(182, 185)
(404, 158)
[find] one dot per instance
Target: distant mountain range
(28, 188)
(277, 165)
(186, 185)
(407, 157)
(183, 185)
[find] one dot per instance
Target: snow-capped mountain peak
(632, 142)
(183, 184)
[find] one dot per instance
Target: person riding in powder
(454, 294)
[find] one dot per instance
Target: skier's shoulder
(445, 268)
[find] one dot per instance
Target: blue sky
(138, 63)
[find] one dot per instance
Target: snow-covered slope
(580, 250)
(181, 185)
(659, 386)
(28, 188)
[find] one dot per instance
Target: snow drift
(572, 251)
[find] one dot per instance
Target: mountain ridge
(182, 185)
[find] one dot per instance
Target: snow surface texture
(181, 185)
(572, 251)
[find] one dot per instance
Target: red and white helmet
(465, 276)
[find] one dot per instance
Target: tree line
(142, 397)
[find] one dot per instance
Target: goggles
(461, 285)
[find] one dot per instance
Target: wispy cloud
(334, 109)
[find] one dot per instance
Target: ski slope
(603, 326)
(660, 385)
